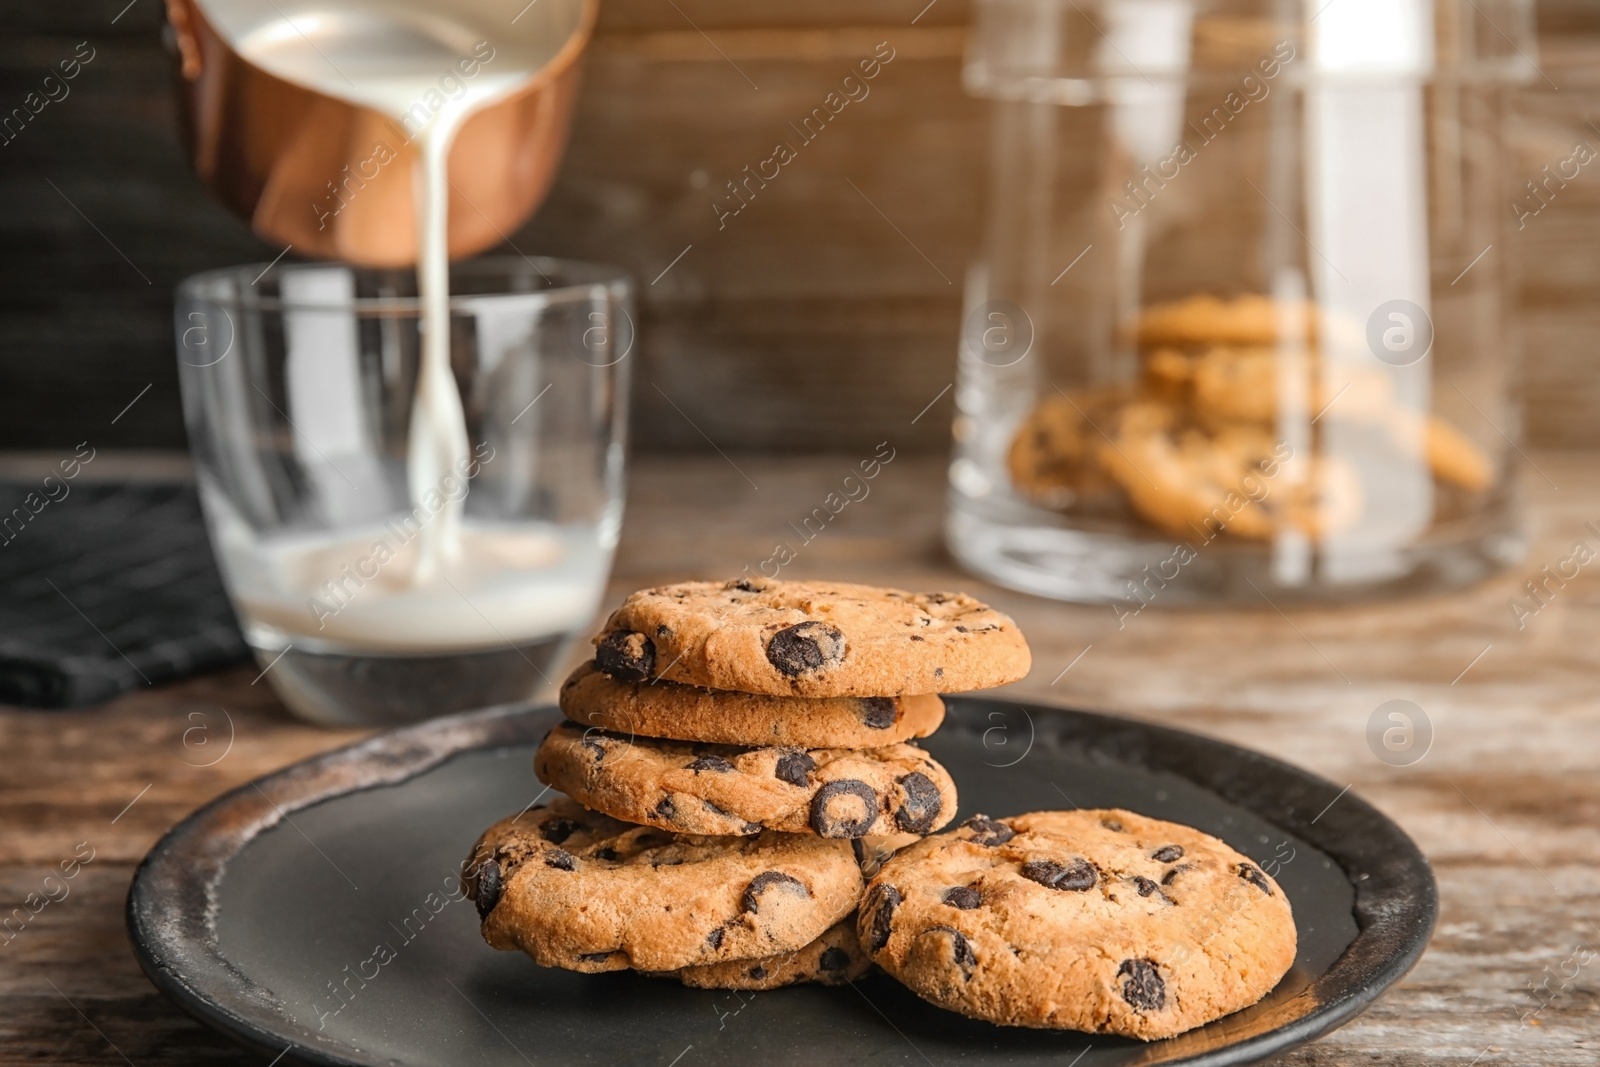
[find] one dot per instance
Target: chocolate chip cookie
(690, 713)
(696, 788)
(1452, 457)
(832, 959)
(812, 639)
(1197, 485)
(1247, 319)
(1103, 921)
(575, 889)
(1052, 459)
(1231, 385)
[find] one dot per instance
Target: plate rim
(172, 902)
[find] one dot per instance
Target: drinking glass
(367, 597)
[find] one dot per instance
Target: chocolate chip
(963, 896)
(666, 809)
(594, 741)
(594, 957)
(1168, 854)
(626, 654)
(1145, 885)
(488, 894)
(605, 854)
(560, 860)
(747, 585)
(1168, 878)
(918, 637)
(663, 630)
(758, 972)
(766, 880)
(922, 804)
(960, 949)
(1077, 875)
(794, 768)
(714, 938)
(881, 903)
(988, 832)
(831, 818)
(834, 958)
(804, 648)
(961, 629)
(1142, 985)
(711, 763)
(1111, 824)
(878, 712)
(558, 830)
(1255, 878)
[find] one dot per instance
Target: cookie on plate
(1103, 921)
(812, 639)
(832, 959)
(689, 713)
(696, 788)
(575, 889)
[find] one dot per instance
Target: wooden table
(1507, 802)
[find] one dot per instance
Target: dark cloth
(110, 588)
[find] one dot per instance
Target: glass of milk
(398, 542)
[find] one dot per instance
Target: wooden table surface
(1506, 802)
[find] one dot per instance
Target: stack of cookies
(737, 764)
(1192, 448)
(736, 761)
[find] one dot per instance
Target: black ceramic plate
(313, 911)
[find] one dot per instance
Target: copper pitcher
(333, 179)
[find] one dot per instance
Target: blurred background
(829, 305)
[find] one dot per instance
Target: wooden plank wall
(825, 310)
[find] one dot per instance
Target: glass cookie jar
(1237, 329)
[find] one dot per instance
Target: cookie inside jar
(1225, 430)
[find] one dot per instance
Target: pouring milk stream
(428, 67)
